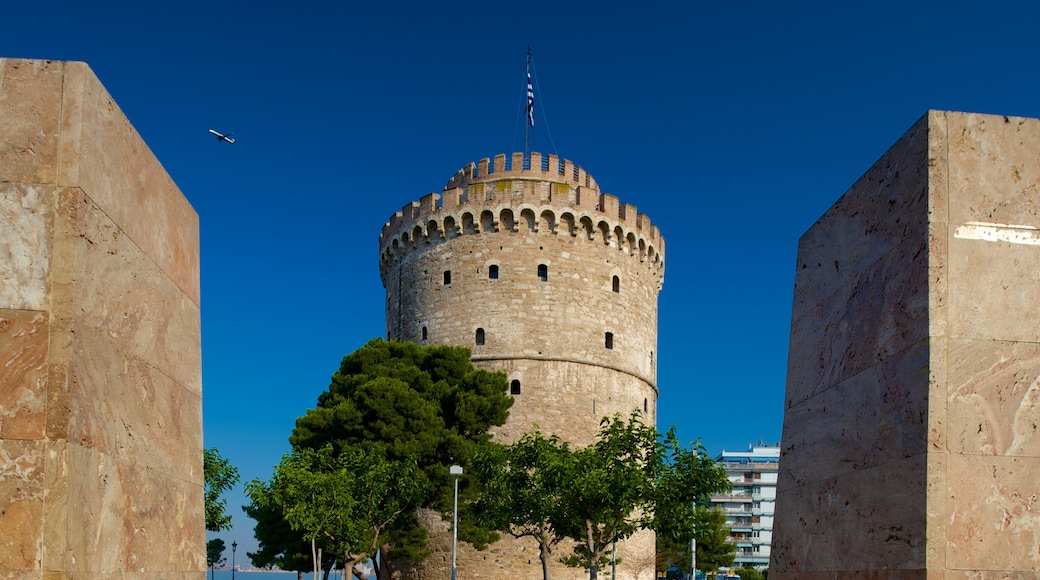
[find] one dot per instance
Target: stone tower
(525, 262)
(911, 446)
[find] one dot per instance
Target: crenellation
(428, 204)
(477, 199)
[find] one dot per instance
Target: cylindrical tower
(525, 262)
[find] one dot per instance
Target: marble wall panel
(119, 289)
(869, 520)
(103, 155)
(936, 504)
(994, 169)
(124, 517)
(994, 289)
(24, 338)
(881, 310)
(883, 208)
(129, 409)
(994, 513)
(30, 114)
(877, 416)
(994, 398)
(26, 216)
(22, 496)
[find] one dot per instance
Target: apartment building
(749, 507)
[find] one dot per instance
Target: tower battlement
(545, 194)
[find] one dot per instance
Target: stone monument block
(100, 366)
(911, 438)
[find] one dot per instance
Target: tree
(279, 545)
(522, 490)
(214, 554)
(749, 573)
(220, 476)
(427, 403)
(633, 478)
(348, 501)
(714, 550)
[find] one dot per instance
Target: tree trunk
(383, 570)
(544, 554)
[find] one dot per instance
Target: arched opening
(493, 272)
(468, 227)
(547, 223)
(487, 221)
(424, 333)
(514, 387)
(480, 337)
(543, 272)
(527, 216)
(506, 220)
(616, 284)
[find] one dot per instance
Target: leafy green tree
(220, 476)
(749, 573)
(348, 500)
(714, 550)
(279, 545)
(633, 478)
(672, 554)
(523, 490)
(427, 403)
(214, 554)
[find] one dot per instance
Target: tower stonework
(911, 446)
(526, 263)
(100, 360)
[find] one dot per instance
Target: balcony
(731, 497)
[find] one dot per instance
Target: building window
(493, 272)
(646, 407)
(480, 337)
(617, 284)
(447, 277)
(609, 340)
(543, 272)
(424, 333)
(514, 387)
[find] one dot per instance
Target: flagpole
(530, 107)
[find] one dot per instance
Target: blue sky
(732, 125)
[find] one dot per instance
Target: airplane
(223, 137)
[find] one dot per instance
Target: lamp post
(234, 546)
(456, 471)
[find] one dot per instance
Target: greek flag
(530, 100)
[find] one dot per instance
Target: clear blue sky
(734, 126)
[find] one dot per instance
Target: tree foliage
(749, 573)
(214, 554)
(426, 405)
(523, 490)
(714, 550)
(279, 545)
(347, 500)
(633, 478)
(220, 476)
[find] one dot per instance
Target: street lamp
(234, 546)
(456, 471)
